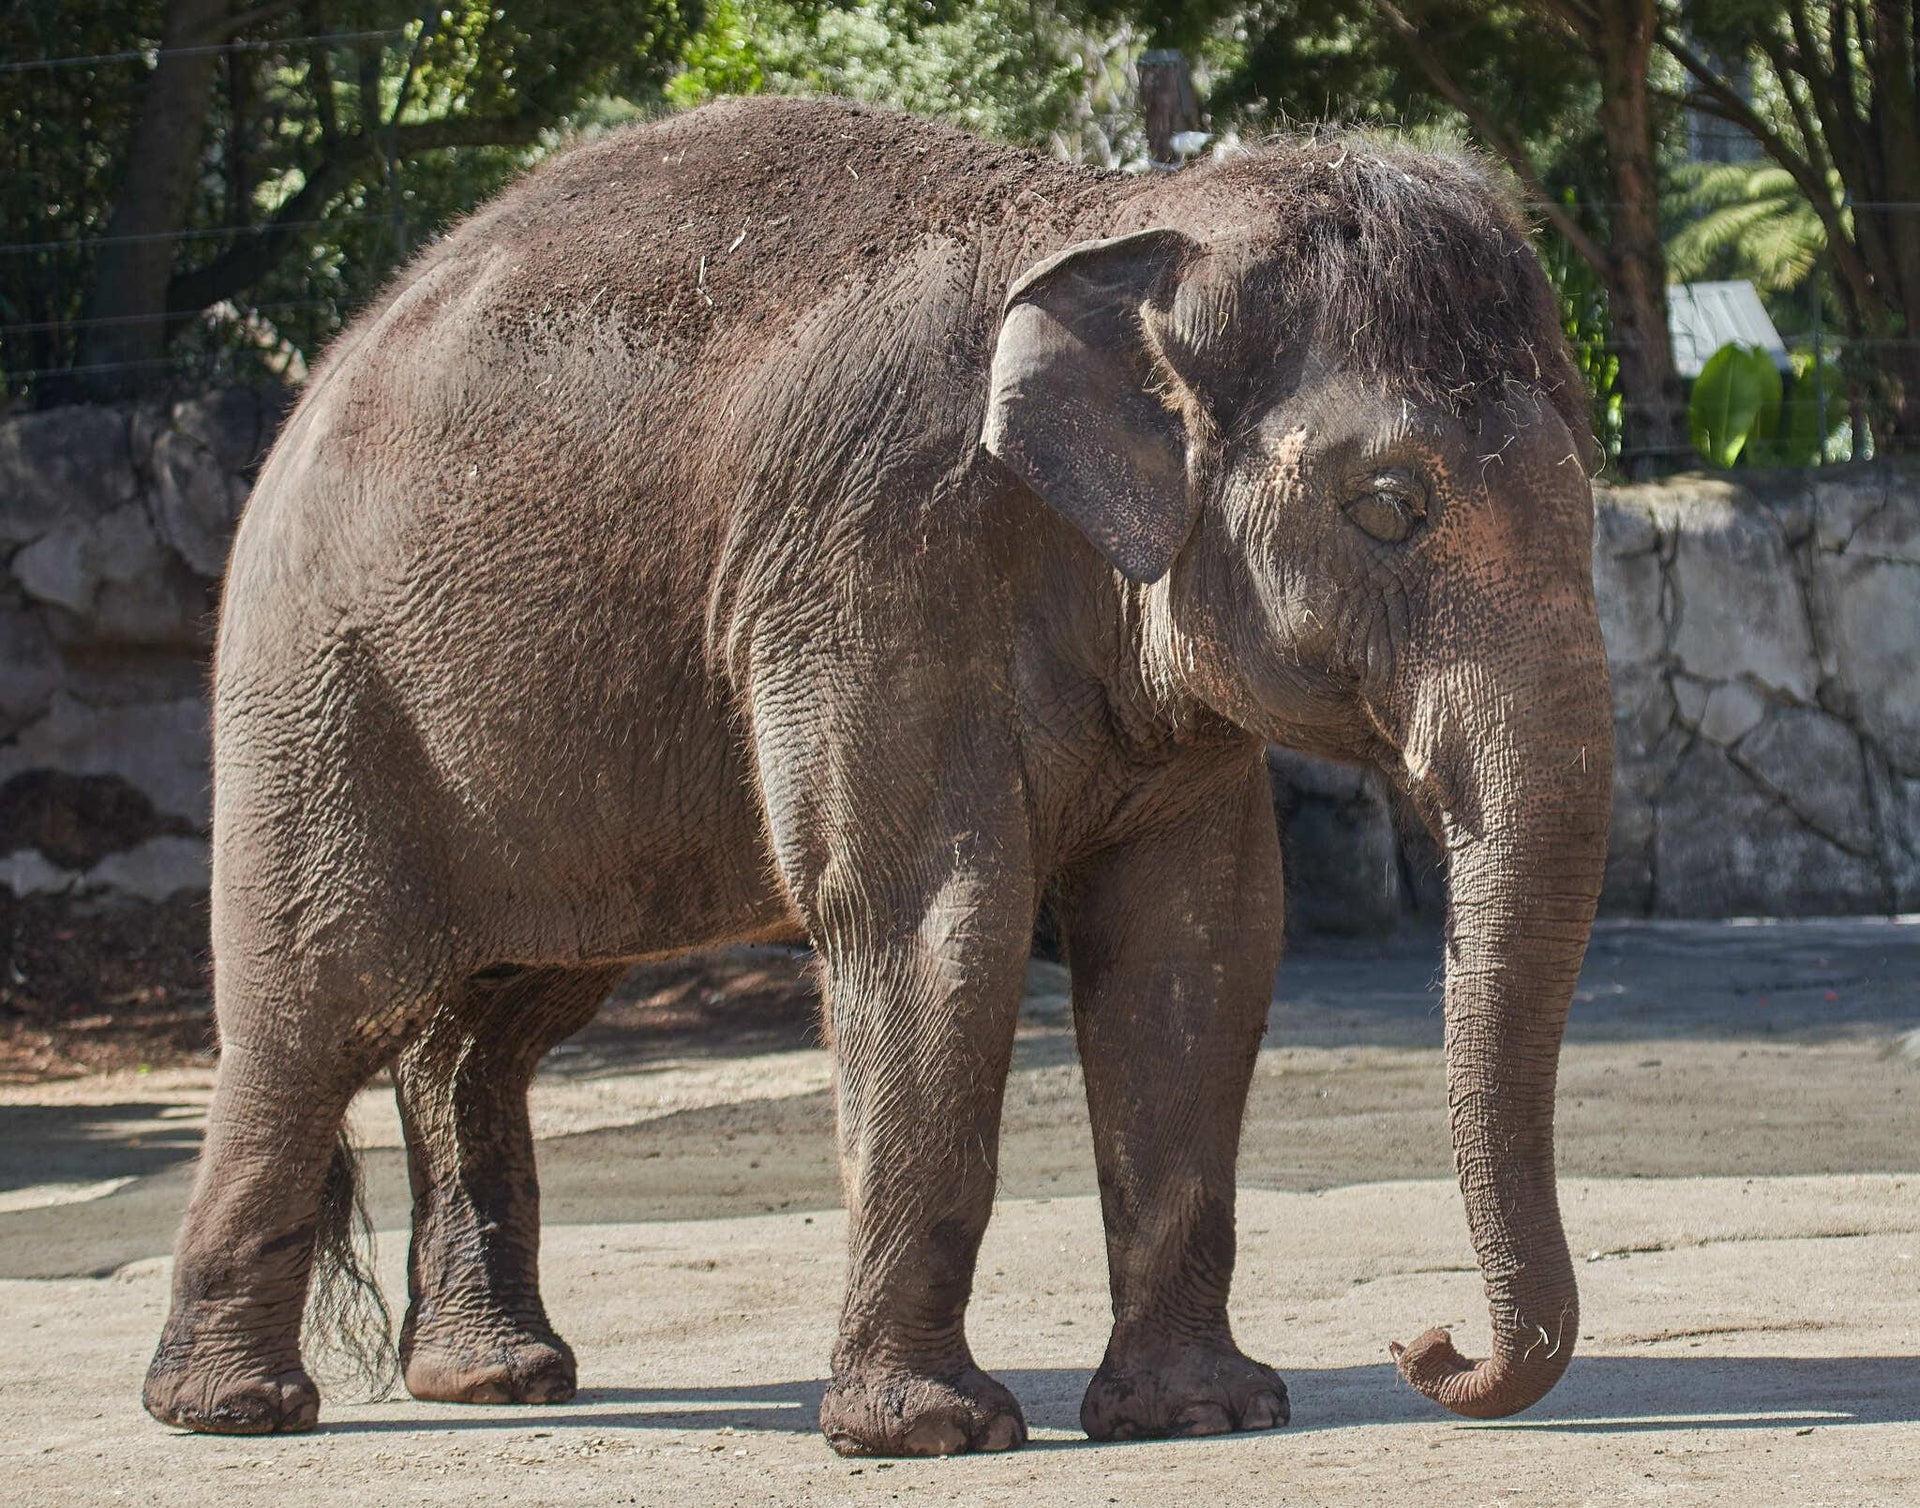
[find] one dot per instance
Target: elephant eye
(1391, 506)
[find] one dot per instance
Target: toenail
(1202, 1419)
(936, 1437)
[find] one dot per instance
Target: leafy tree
(1744, 221)
(296, 136)
(1028, 73)
(1832, 100)
(62, 170)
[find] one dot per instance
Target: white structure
(1703, 317)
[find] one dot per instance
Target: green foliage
(62, 130)
(1583, 316)
(1286, 61)
(1743, 413)
(1004, 68)
(366, 144)
(1055, 76)
(1814, 424)
(1744, 221)
(1735, 404)
(723, 57)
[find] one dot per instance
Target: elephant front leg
(1173, 942)
(898, 818)
(922, 1012)
(476, 1330)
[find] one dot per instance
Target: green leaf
(1736, 400)
(1801, 429)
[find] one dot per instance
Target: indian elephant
(798, 521)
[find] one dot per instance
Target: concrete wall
(1765, 642)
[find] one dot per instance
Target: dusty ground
(1738, 1127)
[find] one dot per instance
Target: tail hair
(347, 1319)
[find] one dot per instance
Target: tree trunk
(1656, 435)
(125, 345)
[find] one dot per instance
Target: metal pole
(1819, 365)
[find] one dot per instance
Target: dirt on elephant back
(89, 988)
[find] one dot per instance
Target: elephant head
(1321, 415)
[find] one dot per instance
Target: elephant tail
(347, 1315)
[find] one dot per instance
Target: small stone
(27, 871)
(197, 500)
(1844, 498)
(1340, 845)
(1627, 588)
(1872, 611)
(65, 465)
(29, 669)
(58, 568)
(124, 546)
(1740, 612)
(1813, 763)
(1622, 524)
(162, 748)
(232, 424)
(1732, 711)
(155, 869)
(1726, 847)
(1690, 699)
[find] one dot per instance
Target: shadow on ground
(1600, 1395)
(1802, 980)
(81, 1143)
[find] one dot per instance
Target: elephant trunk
(1522, 798)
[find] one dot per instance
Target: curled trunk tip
(1480, 1389)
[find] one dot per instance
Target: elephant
(793, 520)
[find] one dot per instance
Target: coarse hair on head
(1409, 260)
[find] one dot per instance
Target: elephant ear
(1081, 407)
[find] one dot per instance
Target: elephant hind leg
(270, 1184)
(476, 1330)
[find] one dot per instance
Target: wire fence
(240, 338)
(152, 55)
(237, 343)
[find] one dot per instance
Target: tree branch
(437, 135)
(1491, 131)
(320, 78)
(1578, 18)
(1716, 97)
(232, 26)
(247, 261)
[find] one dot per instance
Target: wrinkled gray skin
(791, 521)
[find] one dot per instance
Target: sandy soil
(1746, 1341)
(1738, 1134)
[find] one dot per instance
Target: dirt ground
(1739, 1151)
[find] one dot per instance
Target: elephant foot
(517, 1367)
(1150, 1390)
(894, 1412)
(283, 1401)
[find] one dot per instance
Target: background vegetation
(204, 190)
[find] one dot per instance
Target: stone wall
(1765, 643)
(1765, 647)
(113, 528)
